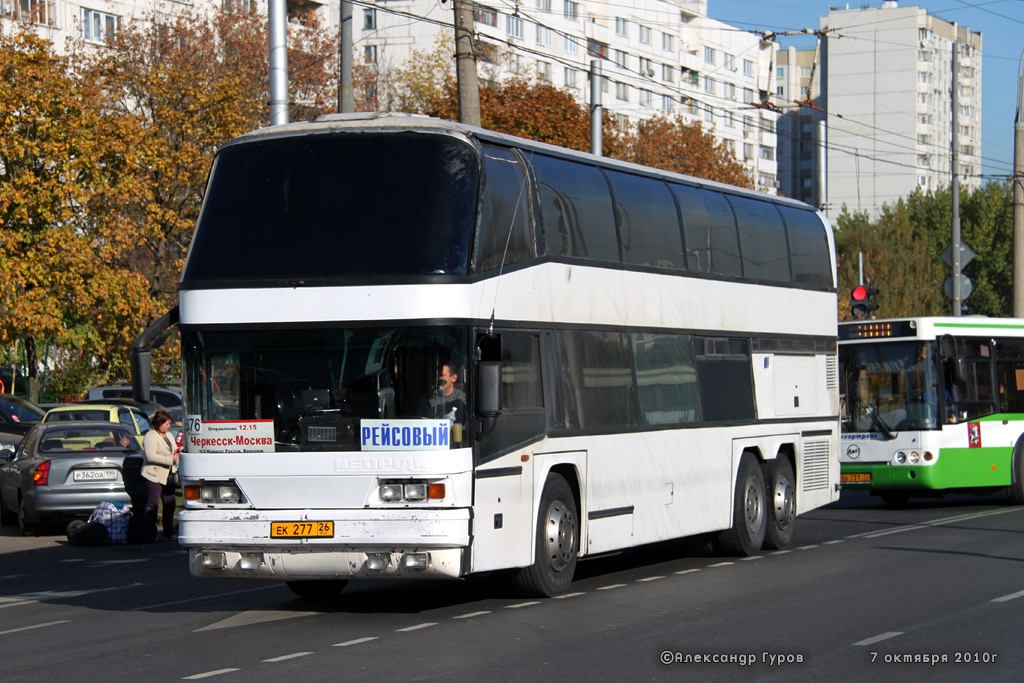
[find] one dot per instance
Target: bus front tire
(321, 589)
(781, 487)
(1017, 484)
(749, 512)
(557, 543)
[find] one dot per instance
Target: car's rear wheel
(26, 524)
(7, 517)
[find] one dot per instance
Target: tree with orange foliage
(62, 161)
(672, 144)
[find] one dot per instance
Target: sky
(1001, 23)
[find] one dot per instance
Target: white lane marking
(879, 638)
(720, 564)
(204, 597)
(612, 587)
(472, 614)
(686, 571)
(417, 627)
(282, 658)
(357, 641)
(30, 598)
(522, 604)
(781, 552)
(751, 559)
(1011, 596)
(651, 578)
(568, 595)
(934, 522)
(833, 542)
(218, 672)
(35, 626)
(250, 617)
(807, 547)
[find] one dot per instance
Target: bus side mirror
(488, 389)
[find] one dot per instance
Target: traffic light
(861, 305)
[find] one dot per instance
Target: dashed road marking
(568, 595)
(611, 587)
(417, 627)
(472, 614)
(720, 564)
(208, 674)
(879, 638)
(357, 641)
(34, 626)
(1011, 596)
(650, 578)
(686, 571)
(282, 658)
(522, 604)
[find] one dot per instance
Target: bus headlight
(915, 458)
(213, 492)
(901, 458)
(414, 491)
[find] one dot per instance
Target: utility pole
(1018, 196)
(346, 98)
(955, 187)
(465, 63)
(278, 34)
(596, 116)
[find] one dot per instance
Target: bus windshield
(317, 208)
(890, 387)
(317, 384)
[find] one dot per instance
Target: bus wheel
(781, 526)
(558, 539)
(749, 512)
(323, 589)
(896, 499)
(1017, 485)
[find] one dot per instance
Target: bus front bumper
(366, 544)
(884, 477)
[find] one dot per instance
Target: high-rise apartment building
(657, 56)
(887, 91)
(801, 133)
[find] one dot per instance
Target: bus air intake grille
(832, 373)
(816, 459)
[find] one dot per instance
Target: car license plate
(302, 529)
(855, 478)
(95, 475)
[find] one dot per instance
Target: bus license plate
(95, 475)
(302, 529)
(855, 478)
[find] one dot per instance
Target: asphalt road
(932, 592)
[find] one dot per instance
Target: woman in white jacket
(161, 455)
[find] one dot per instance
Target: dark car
(17, 416)
(63, 470)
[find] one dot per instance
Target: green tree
(896, 261)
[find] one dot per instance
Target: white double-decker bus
(413, 348)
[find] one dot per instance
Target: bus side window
(503, 221)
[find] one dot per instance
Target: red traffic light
(861, 305)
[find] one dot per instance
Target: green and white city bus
(932, 406)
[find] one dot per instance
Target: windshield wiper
(876, 418)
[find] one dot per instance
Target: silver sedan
(65, 469)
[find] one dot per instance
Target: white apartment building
(887, 90)
(798, 95)
(657, 56)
